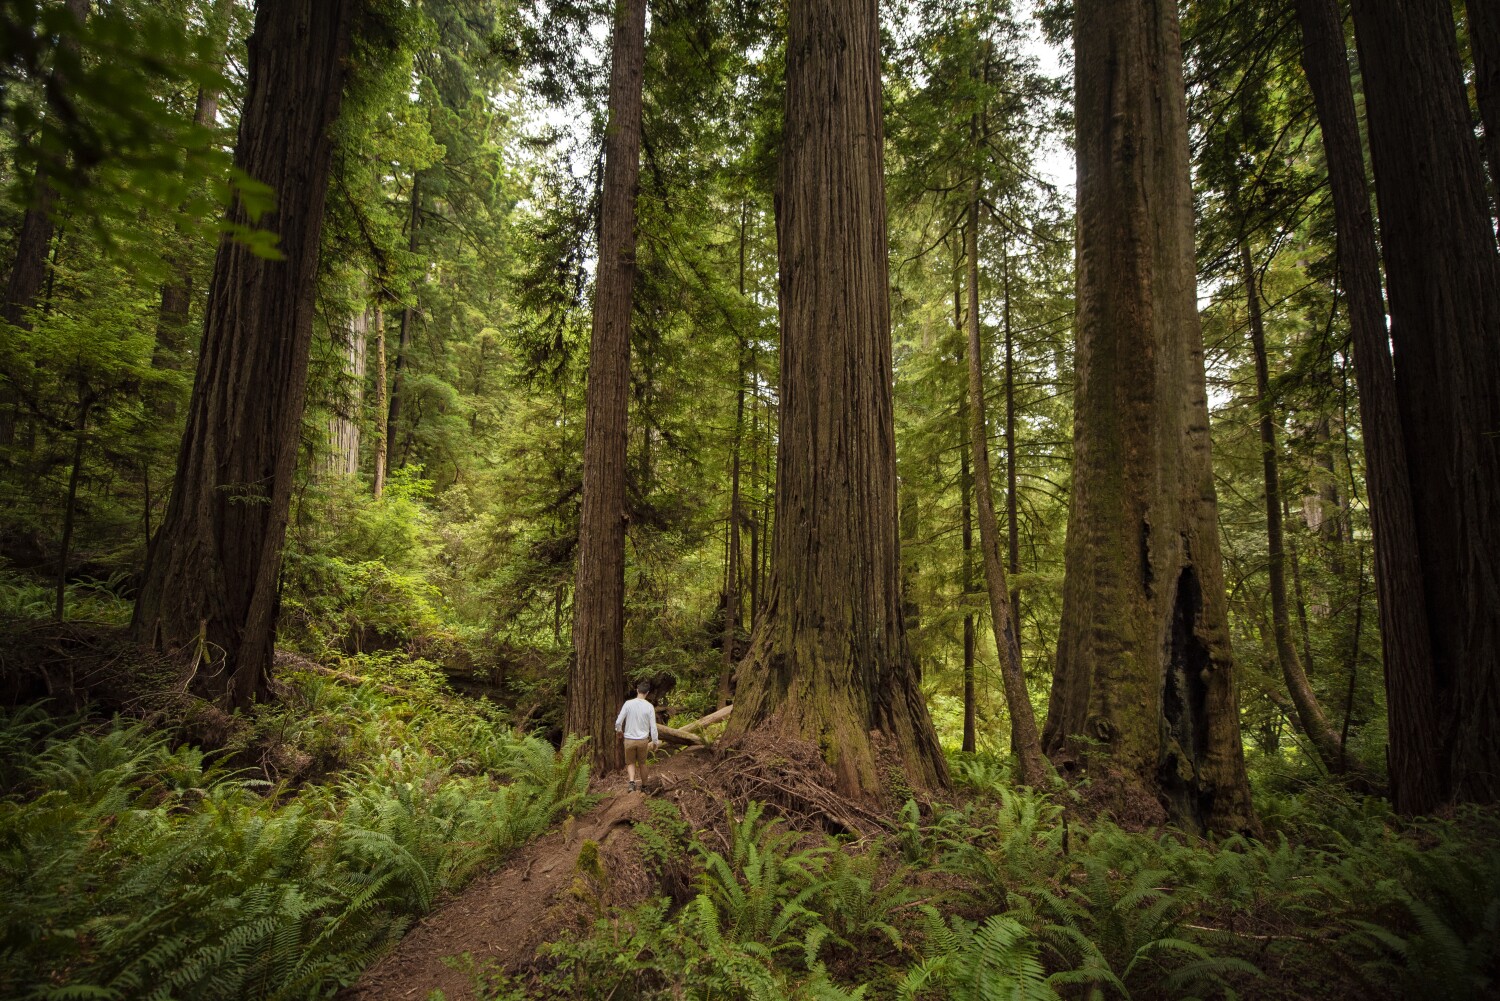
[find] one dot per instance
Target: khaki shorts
(636, 752)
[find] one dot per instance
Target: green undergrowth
(136, 866)
(999, 897)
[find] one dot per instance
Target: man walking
(636, 722)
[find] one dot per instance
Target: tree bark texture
(382, 402)
(1309, 712)
(1484, 41)
(1144, 665)
(732, 589)
(343, 425)
(408, 320)
(1443, 282)
(829, 659)
(966, 492)
(212, 585)
(1012, 514)
(1404, 633)
(596, 684)
(1024, 742)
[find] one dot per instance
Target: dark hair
(642, 687)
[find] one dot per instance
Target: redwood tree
(829, 660)
(210, 590)
(1443, 283)
(1143, 665)
(1405, 642)
(596, 681)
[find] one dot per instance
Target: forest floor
(496, 924)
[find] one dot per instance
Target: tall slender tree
(829, 660)
(1404, 635)
(1143, 665)
(596, 681)
(1443, 282)
(1309, 711)
(211, 589)
(1024, 743)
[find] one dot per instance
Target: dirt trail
(503, 916)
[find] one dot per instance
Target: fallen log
(712, 718)
(672, 735)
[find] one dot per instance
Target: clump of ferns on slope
(133, 869)
(999, 897)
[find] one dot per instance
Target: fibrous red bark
(829, 659)
(1144, 668)
(210, 590)
(1443, 283)
(596, 681)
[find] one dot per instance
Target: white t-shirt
(638, 720)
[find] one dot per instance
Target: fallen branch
(672, 735)
(716, 716)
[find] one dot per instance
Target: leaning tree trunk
(1404, 636)
(596, 683)
(211, 590)
(1024, 742)
(1144, 669)
(829, 661)
(1484, 41)
(1309, 712)
(1443, 280)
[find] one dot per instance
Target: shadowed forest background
(1105, 577)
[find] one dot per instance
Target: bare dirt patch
(501, 918)
(553, 886)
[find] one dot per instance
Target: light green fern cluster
(132, 869)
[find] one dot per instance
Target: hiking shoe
(630, 787)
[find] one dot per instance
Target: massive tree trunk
(211, 589)
(1024, 742)
(1404, 634)
(1443, 281)
(1144, 669)
(1309, 712)
(1484, 41)
(829, 659)
(596, 683)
